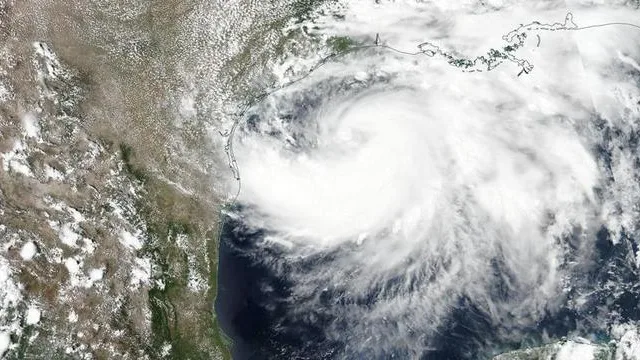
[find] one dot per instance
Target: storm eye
(293, 115)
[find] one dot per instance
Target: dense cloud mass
(396, 193)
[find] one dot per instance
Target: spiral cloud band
(392, 190)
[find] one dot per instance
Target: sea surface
(254, 309)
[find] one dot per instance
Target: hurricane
(444, 190)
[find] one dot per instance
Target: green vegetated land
(340, 44)
(182, 239)
(183, 231)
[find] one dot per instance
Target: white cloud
(28, 251)
(131, 241)
(30, 125)
(576, 351)
(5, 342)
(32, 316)
(449, 174)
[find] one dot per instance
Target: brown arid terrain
(113, 169)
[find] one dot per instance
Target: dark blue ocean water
(253, 308)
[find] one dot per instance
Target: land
(113, 176)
